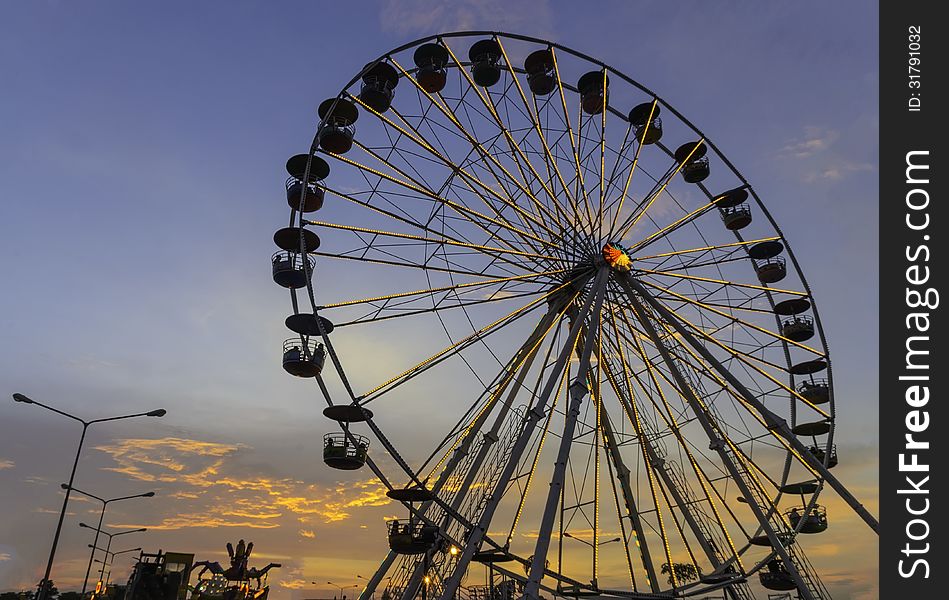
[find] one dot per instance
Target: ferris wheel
(581, 348)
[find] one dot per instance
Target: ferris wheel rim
(658, 99)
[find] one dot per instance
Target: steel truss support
(622, 475)
(519, 366)
(774, 422)
(717, 441)
(578, 391)
(658, 465)
(532, 418)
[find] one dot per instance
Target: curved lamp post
(111, 561)
(95, 542)
(43, 587)
(594, 546)
(109, 545)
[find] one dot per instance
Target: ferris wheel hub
(617, 257)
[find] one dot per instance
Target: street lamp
(111, 535)
(95, 542)
(341, 588)
(569, 535)
(111, 561)
(43, 588)
(594, 546)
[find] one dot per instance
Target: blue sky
(141, 165)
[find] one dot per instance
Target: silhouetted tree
(684, 572)
(70, 596)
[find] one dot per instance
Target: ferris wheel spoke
(718, 441)
(403, 263)
(456, 347)
(520, 365)
(476, 218)
(622, 474)
(574, 222)
(536, 459)
(734, 319)
(573, 146)
(442, 105)
(709, 373)
(774, 422)
(632, 169)
(731, 246)
(618, 471)
(722, 282)
(649, 460)
(531, 113)
(471, 181)
(600, 207)
(667, 415)
(458, 286)
(465, 211)
(490, 250)
(750, 361)
(514, 374)
(477, 535)
(416, 225)
(668, 229)
(612, 206)
(375, 317)
(512, 143)
(676, 487)
(650, 199)
(578, 390)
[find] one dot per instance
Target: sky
(141, 172)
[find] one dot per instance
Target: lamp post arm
(127, 497)
(104, 419)
(59, 412)
(93, 496)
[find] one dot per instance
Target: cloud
(307, 533)
(295, 584)
(815, 140)
(6, 464)
(213, 489)
(160, 459)
(835, 171)
(5, 556)
(417, 17)
(822, 160)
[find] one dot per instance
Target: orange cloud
(222, 495)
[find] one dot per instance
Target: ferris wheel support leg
(578, 391)
(516, 371)
(534, 415)
(622, 475)
(631, 286)
(775, 422)
(376, 578)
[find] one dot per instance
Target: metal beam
(533, 416)
(774, 422)
(578, 391)
(717, 443)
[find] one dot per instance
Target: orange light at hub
(616, 257)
